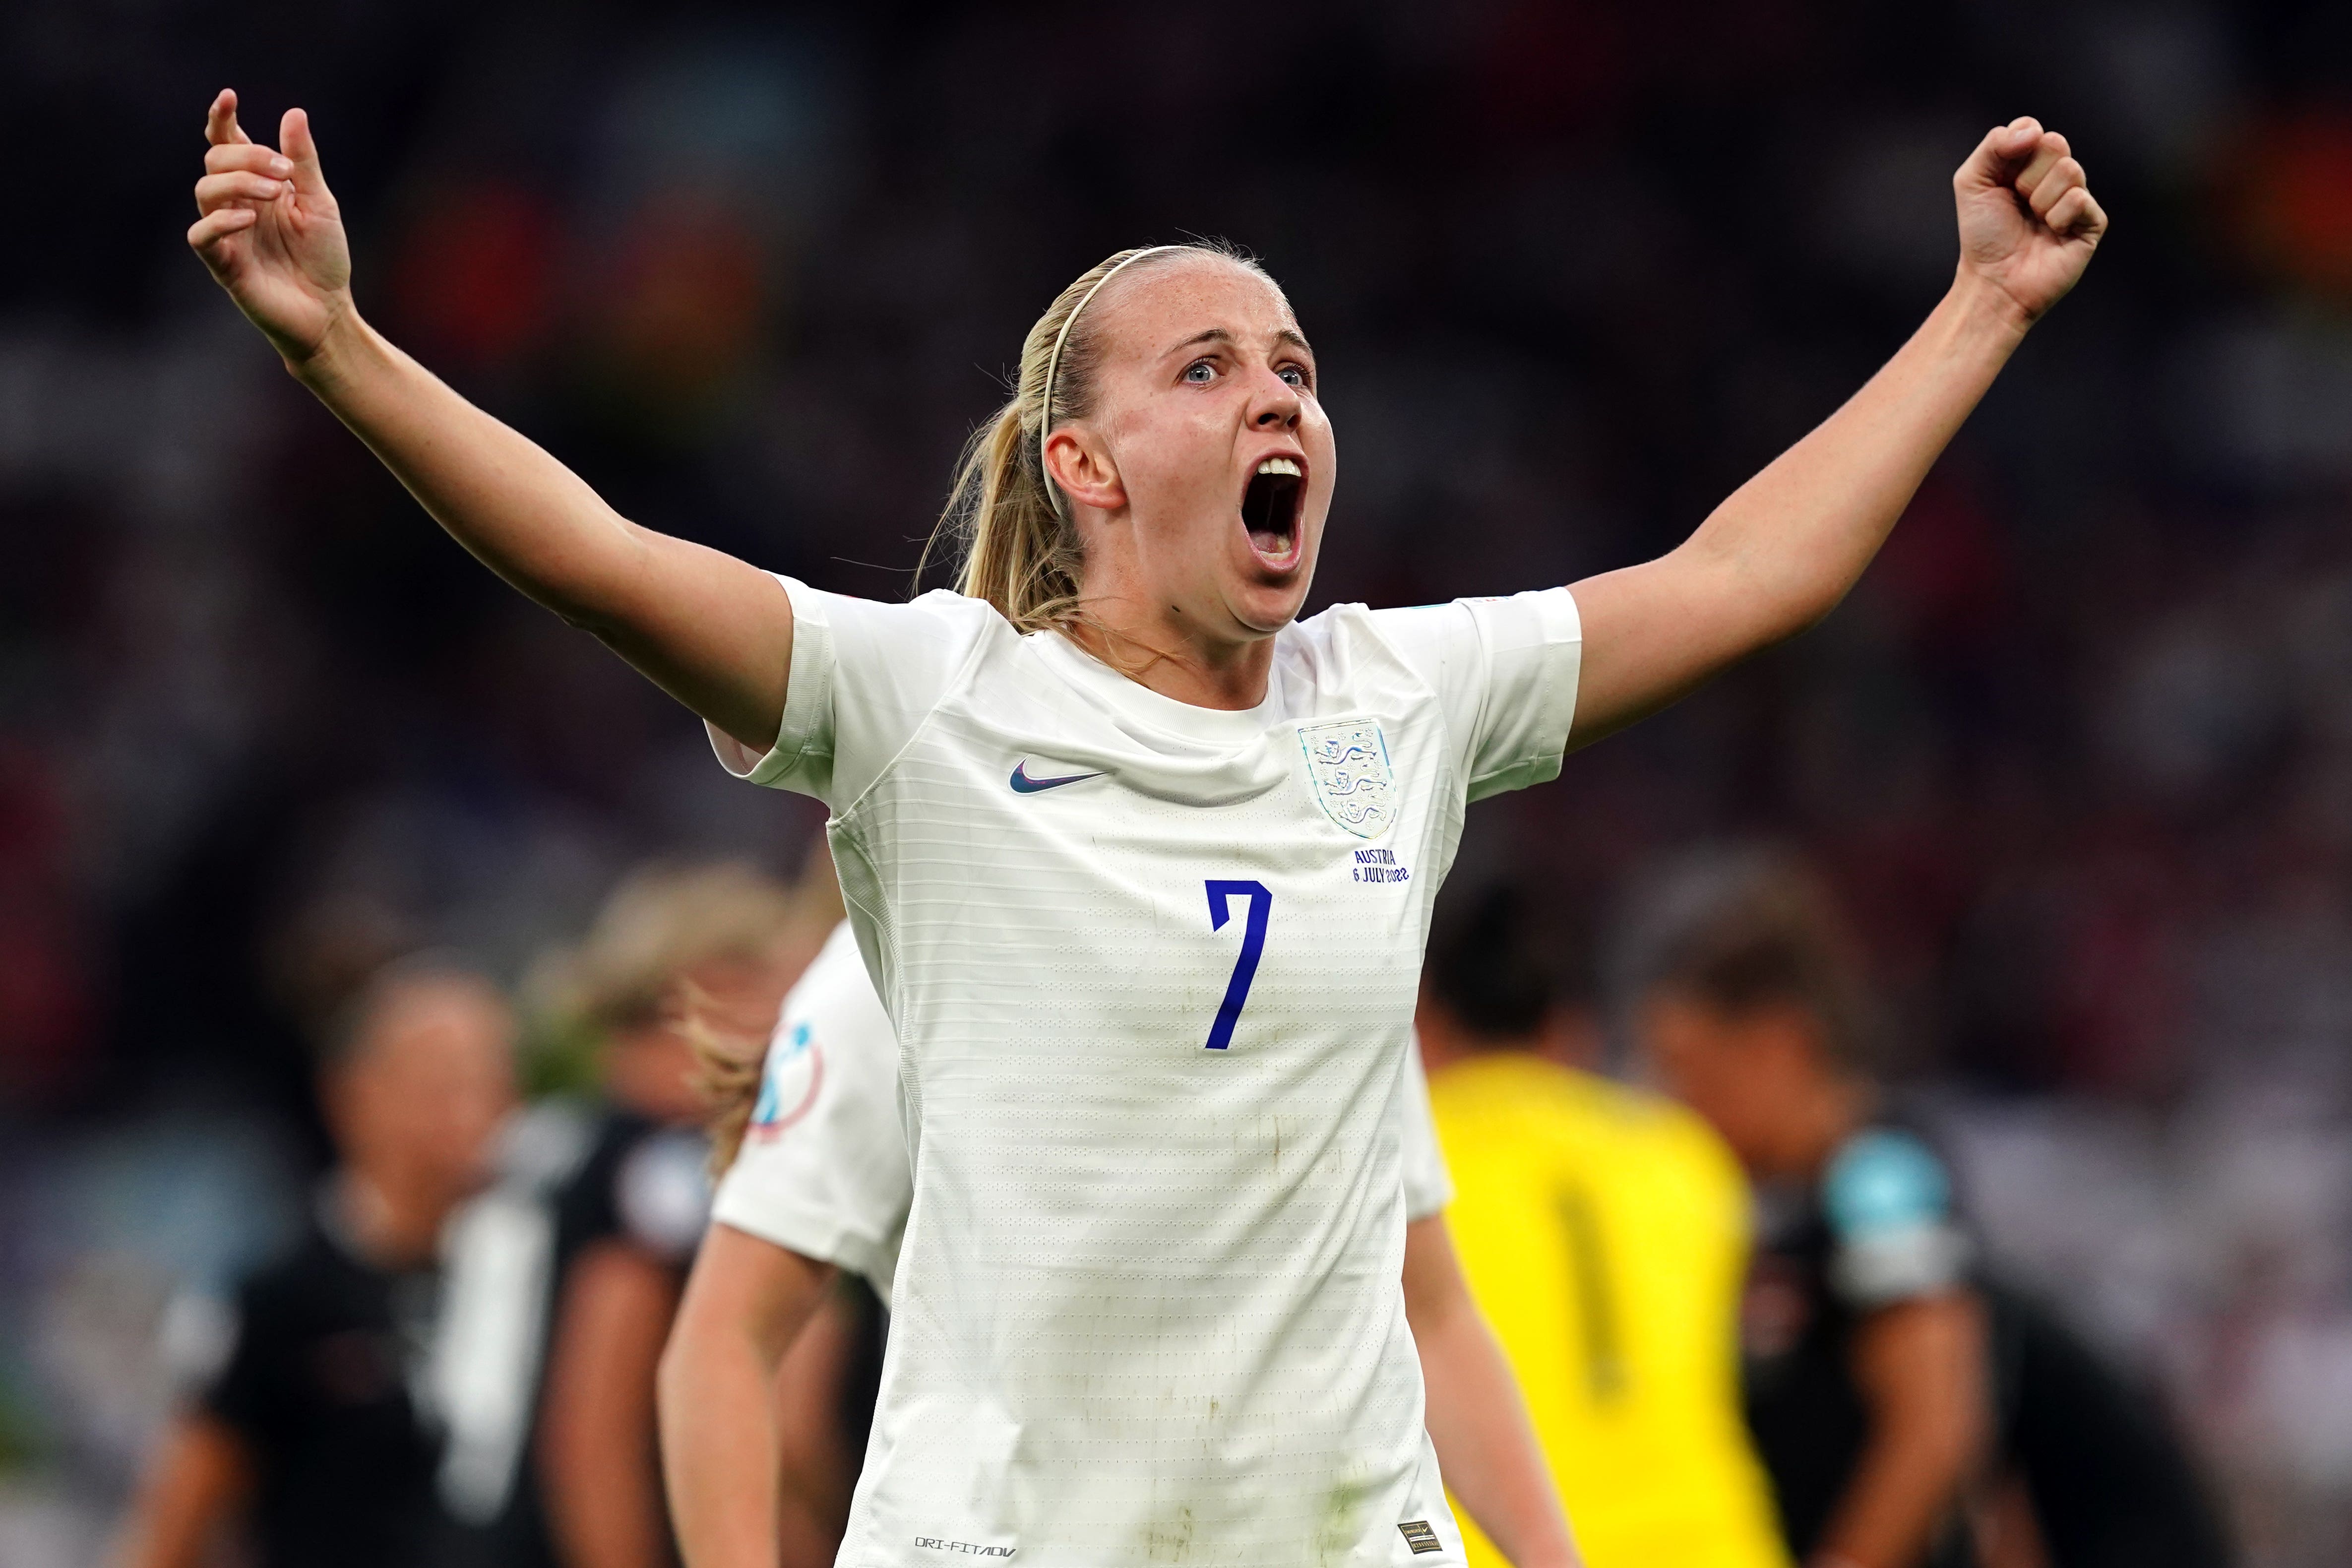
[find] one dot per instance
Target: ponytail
(1016, 545)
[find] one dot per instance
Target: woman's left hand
(2028, 220)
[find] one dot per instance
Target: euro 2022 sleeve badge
(1348, 765)
(788, 1081)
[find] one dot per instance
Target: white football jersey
(822, 1169)
(1152, 968)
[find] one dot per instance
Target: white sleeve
(824, 1169)
(1428, 1185)
(1505, 673)
(864, 675)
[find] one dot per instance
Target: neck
(390, 1221)
(1828, 1117)
(1172, 654)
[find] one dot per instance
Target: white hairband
(1054, 366)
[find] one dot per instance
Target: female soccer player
(1141, 863)
(819, 1182)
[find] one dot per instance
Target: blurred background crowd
(2078, 755)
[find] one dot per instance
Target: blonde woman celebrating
(1140, 863)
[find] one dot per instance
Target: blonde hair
(1016, 543)
(660, 921)
(728, 1070)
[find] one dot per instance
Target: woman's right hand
(270, 231)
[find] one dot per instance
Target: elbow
(1948, 1446)
(1802, 609)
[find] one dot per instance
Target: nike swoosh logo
(1023, 784)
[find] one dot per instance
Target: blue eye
(1200, 372)
(1294, 375)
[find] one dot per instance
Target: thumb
(1995, 161)
(295, 141)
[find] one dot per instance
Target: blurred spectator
(1604, 1232)
(568, 1280)
(1891, 1382)
(319, 1430)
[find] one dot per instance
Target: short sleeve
(1505, 673)
(1888, 1204)
(864, 676)
(1428, 1186)
(824, 1169)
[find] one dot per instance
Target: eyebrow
(1220, 335)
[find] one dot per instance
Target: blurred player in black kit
(1898, 1392)
(574, 1266)
(318, 1433)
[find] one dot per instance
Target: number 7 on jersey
(1237, 989)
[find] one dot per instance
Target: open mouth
(1270, 510)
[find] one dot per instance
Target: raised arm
(710, 630)
(1790, 543)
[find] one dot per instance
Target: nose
(1274, 403)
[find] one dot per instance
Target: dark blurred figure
(2091, 1472)
(596, 1218)
(1891, 1382)
(1604, 1232)
(319, 1430)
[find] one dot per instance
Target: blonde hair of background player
(1018, 549)
(637, 966)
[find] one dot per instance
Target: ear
(1077, 461)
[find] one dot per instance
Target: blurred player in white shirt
(821, 1183)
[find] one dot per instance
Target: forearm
(1485, 1447)
(596, 1427)
(1784, 550)
(719, 1453)
(1920, 1368)
(199, 1474)
(1794, 539)
(605, 1510)
(681, 613)
(747, 1300)
(1904, 1484)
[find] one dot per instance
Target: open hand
(270, 231)
(2028, 220)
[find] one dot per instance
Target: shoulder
(939, 621)
(1503, 1094)
(833, 1043)
(1493, 624)
(1337, 639)
(636, 1178)
(1887, 1203)
(835, 991)
(543, 1146)
(661, 1193)
(1885, 1179)
(1669, 1128)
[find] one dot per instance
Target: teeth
(1281, 466)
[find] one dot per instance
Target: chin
(1267, 613)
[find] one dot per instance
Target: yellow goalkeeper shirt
(1605, 1234)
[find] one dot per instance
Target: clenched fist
(2028, 220)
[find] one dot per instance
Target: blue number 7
(1229, 1013)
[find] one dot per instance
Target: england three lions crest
(1348, 764)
